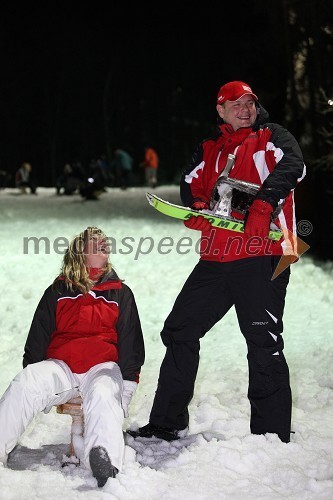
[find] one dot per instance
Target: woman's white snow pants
(41, 385)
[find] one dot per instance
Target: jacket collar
(236, 135)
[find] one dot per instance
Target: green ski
(179, 212)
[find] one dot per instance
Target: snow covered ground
(219, 459)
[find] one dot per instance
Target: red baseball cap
(233, 91)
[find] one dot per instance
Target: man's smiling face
(240, 113)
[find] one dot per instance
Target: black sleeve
(186, 195)
(41, 329)
(288, 171)
(131, 351)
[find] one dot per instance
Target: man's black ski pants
(209, 292)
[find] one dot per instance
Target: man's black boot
(151, 430)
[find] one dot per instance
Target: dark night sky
(156, 72)
(78, 83)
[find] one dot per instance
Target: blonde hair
(73, 269)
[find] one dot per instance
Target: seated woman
(85, 340)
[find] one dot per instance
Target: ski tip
(149, 197)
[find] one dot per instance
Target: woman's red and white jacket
(86, 329)
(267, 155)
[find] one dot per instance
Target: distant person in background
(94, 182)
(106, 170)
(150, 164)
(122, 165)
(69, 181)
(4, 179)
(23, 179)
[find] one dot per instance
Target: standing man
(234, 271)
(150, 164)
(122, 166)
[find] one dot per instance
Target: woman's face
(96, 251)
